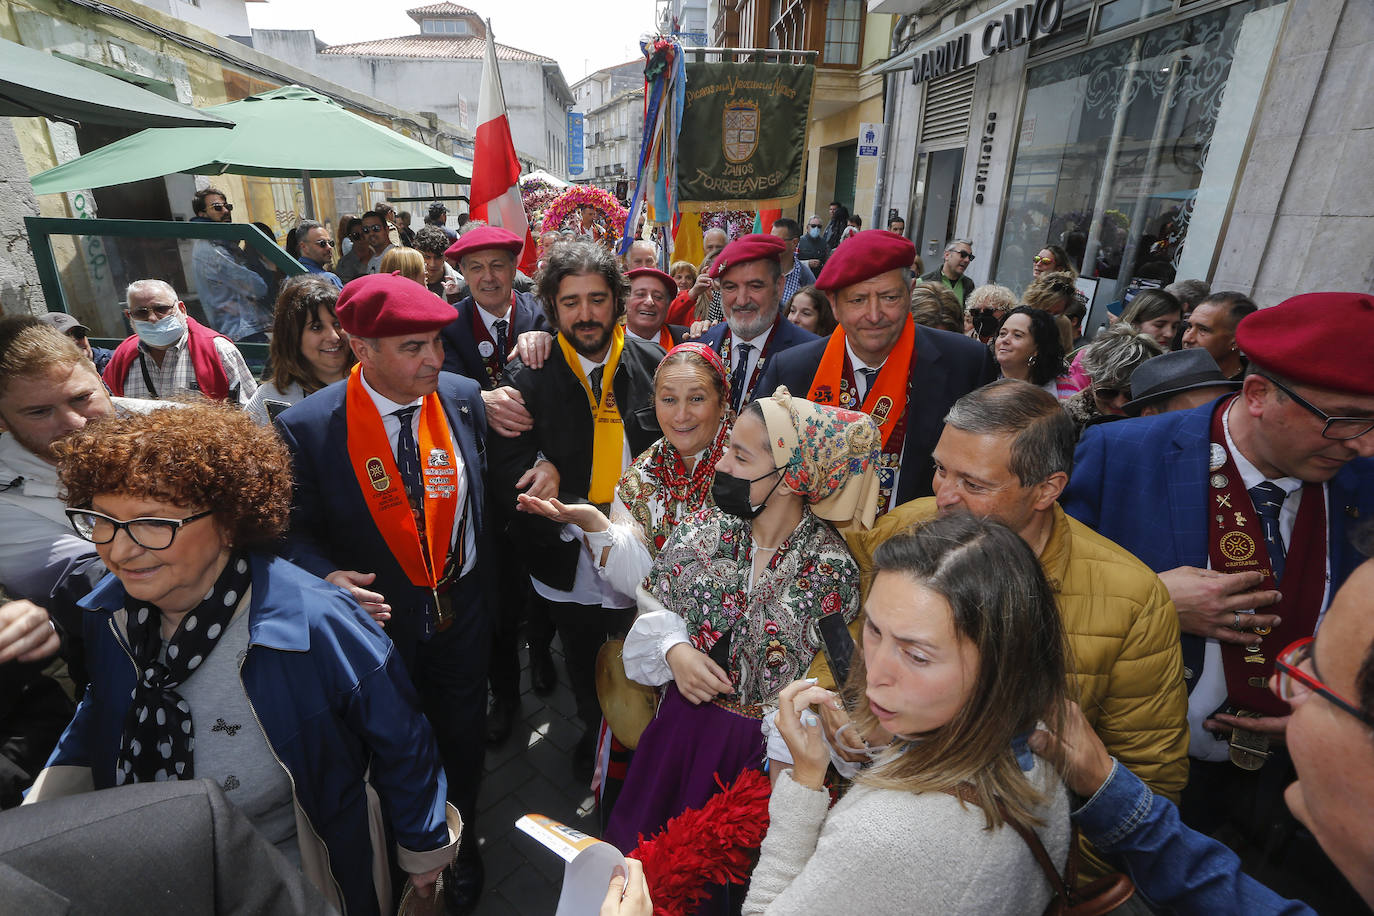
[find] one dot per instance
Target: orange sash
(374, 465)
(886, 400)
(665, 338)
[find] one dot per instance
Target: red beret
(389, 305)
(747, 248)
(1317, 339)
(863, 256)
(669, 284)
(484, 237)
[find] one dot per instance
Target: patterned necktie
(870, 376)
(1268, 499)
(594, 379)
(502, 347)
(737, 377)
(408, 463)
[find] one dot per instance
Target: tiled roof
(441, 9)
(431, 46)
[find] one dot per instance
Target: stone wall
(1303, 218)
(19, 290)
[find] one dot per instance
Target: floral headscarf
(826, 454)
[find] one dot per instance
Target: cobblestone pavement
(530, 773)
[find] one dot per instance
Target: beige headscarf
(828, 455)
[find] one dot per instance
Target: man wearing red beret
(755, 331)
(646, 313)
(389, 505)
(1244, 506)
(477, 343)
(905, 375)
(591, 405)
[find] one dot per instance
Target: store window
(1128, 153)
(843, 19)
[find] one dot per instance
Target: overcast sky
(581, 36)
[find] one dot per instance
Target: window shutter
(948, 103)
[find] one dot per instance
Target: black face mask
(984, 323)
(731, 494)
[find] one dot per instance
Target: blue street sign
(576, 153)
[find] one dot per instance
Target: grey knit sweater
(884, 851)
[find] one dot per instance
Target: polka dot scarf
(159, 738)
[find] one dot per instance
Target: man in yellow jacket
(1005, 453)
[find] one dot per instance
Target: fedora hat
(1162, 377)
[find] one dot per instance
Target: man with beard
(646, 315)
(878, 360)
(749, 272)
(591, 437)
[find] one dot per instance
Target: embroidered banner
(744, 128)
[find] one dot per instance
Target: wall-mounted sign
(980, 175)
(998, 30)
(870, 140)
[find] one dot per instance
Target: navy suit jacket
(331, 527)
(1144, 484)
(460, 348)
(786, 335)
(945, 367)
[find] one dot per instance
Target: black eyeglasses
(222, 208)
(148, 533)
(1291, 682)
(324, 243)
(1341, 429)
(965, 254)
(146, 312)
(373, 228)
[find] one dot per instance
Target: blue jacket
(786, 335)
(1177, 868)
(315, 267)
(1143, 483)
(332, 700)
(331, 527)
(460, 348)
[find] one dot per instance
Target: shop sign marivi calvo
(1001, 30)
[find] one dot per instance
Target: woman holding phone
(957, 668)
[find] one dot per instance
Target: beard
(589, 350)
(748, 325)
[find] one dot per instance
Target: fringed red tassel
(699, 848)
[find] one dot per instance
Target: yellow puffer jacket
(1122, 629)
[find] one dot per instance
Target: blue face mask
(814, 232)
(161, 333)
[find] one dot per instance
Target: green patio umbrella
(288, 132)
(34, 84)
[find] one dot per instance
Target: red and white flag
(495, 191)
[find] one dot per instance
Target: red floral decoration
(566, 205)
(714, 844)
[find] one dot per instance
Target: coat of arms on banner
(741, 135)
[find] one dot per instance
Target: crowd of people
(1016, 594)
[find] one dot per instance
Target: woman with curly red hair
(210, 657)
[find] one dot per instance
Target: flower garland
(565, 207)
(537, 194)
(714, 844)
